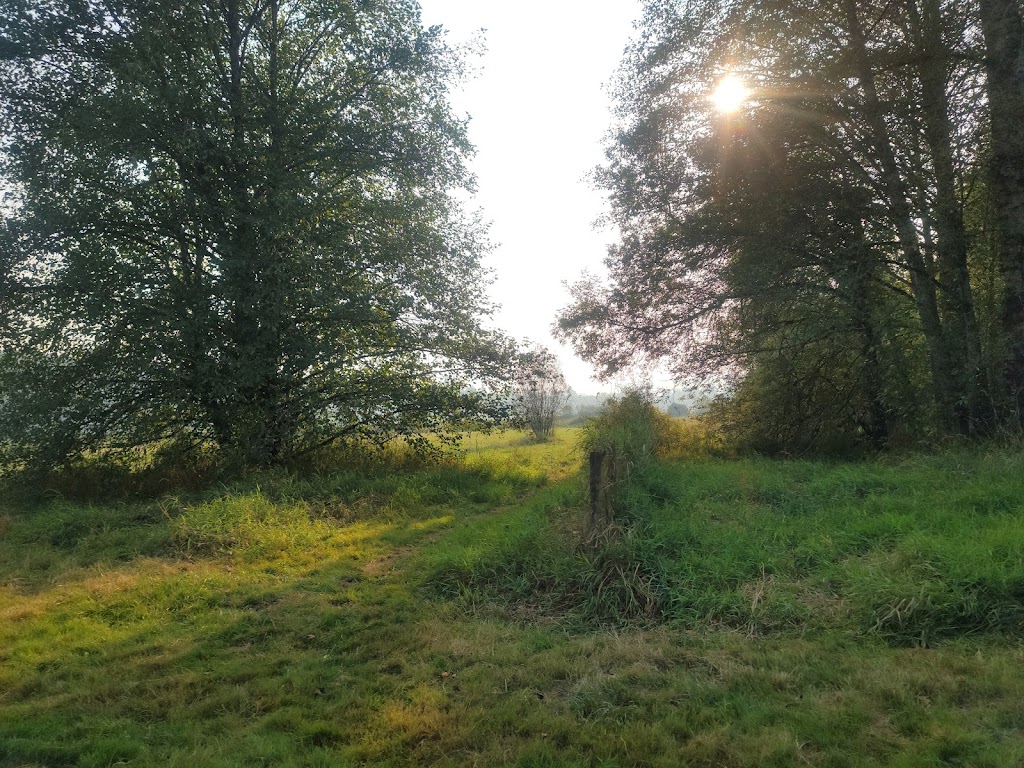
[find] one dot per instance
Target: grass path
(271, 626)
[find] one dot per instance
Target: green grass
(807, 614)
(913, 551)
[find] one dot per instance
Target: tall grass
(150, 472)
(914, 551)
(448, 615)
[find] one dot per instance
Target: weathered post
(596, 460)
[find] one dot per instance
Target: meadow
(747, 612)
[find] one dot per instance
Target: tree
(818, 232)
(678, 410)
(232, 220)
(1002, 22)
(542, 392)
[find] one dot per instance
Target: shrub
(631, 434)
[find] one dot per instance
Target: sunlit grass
(553, 459)
(431, 617)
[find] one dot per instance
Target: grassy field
(751, 613)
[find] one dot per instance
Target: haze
(538, 111)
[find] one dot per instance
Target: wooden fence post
(596, 460)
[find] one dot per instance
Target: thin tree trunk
(876, 426)
(251, 274)
(962, 336)
(1002, 23)
(895, 188)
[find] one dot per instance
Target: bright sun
(730, 95)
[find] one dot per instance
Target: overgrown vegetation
(447, 614)
(912, 551)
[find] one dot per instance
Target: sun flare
(730, 95)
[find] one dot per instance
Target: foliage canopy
(234, 221)
(832, 244)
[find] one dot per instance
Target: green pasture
(748, 613)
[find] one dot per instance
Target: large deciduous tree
(234, 220)
(815, 243)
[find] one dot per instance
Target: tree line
(236, 223)
(848, 247)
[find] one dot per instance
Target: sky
(538, 112)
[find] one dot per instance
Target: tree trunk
(963, 340)
(254, 272)
(858, 284)
(895, 190)
(1002, 23)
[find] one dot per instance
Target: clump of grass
(248, 523)
(531, 566)
(623, 584)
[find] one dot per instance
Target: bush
(693, 438)
(626, 432)
(792, 405)
(633, 435)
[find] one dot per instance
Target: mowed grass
(804, 613)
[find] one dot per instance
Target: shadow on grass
(219, 662)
